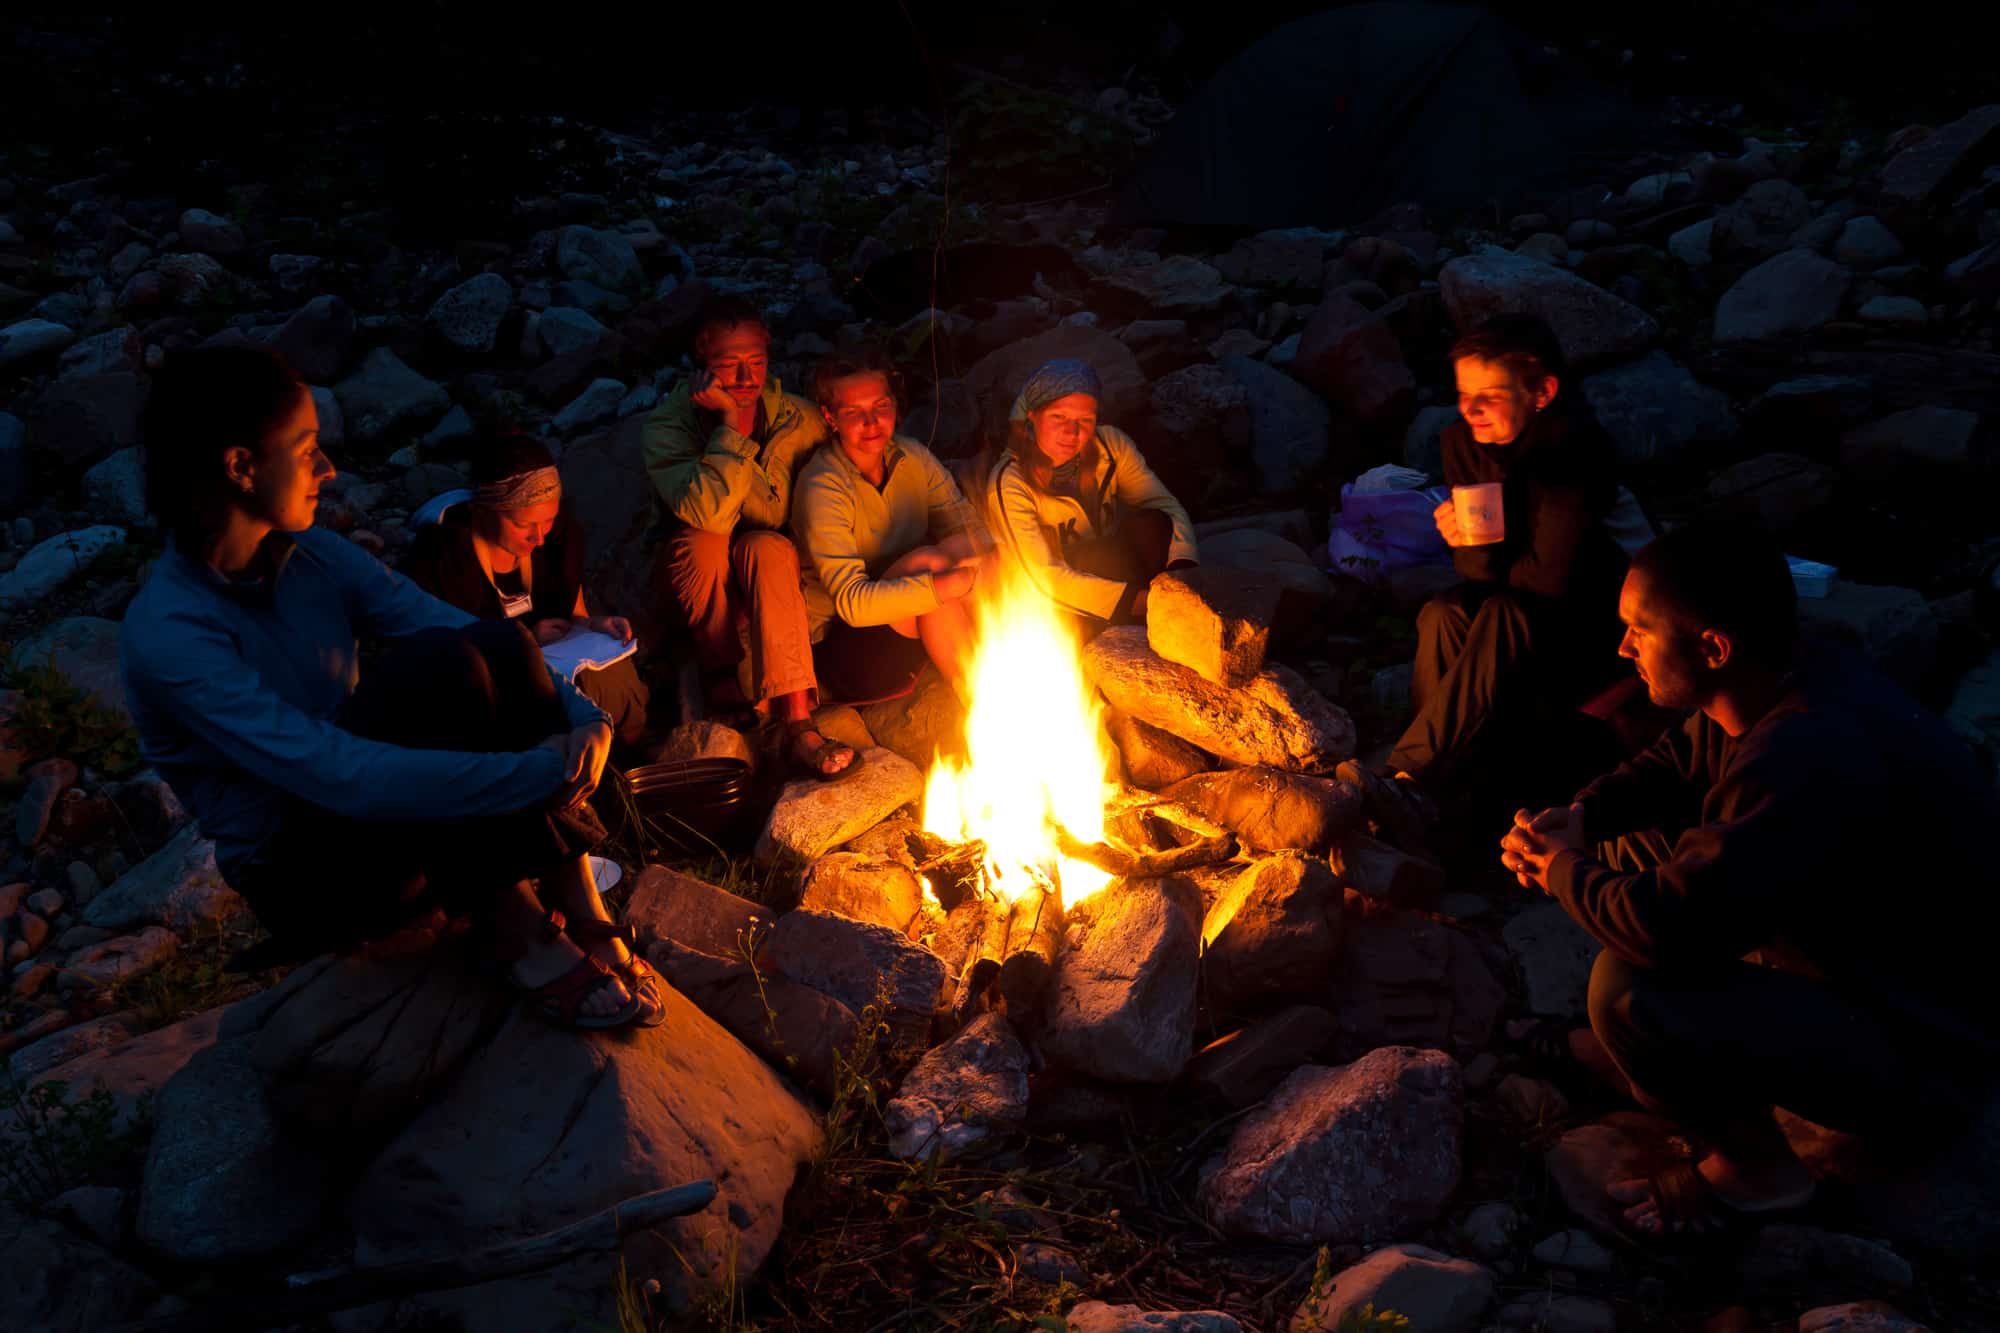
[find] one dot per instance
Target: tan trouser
(751, 575)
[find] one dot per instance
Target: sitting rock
(1272, 810)
(1276, 719)
(961, 1093)
(1124, 1001)
(1350, 1154)
(1274, 932)
(812, 817)
(543, 1127)
(1215, 622)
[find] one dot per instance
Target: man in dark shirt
(1534, 618)
(1775, 886)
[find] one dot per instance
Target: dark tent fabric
(1330, 119)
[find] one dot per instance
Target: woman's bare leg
(947, 633)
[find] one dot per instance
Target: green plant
(1370, 1320)
(53, 717)
(54, 1144)
(193, 980)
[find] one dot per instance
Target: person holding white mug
(1533, 479)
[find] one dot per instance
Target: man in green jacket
(721, 452)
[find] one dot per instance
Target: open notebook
(585, 649)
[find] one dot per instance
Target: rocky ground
(1800, 329)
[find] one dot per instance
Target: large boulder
(1123, 1006)
(597, 473)
(1654, 409)
(210, 234)
(1926, 172)
(1291, 429)
(177, 886)
(27, 339)
(1175, 285)
(384, 397)
(318, 339)
(1273, 932)
(996, 378)
(1349, 1154)
(1304, 589)
(1915, 440)
(1200, 404)
(927, 721)
(961, 1093)
(87, 417)
(1435, 1292)
(603, 258)
(1791, 293)
(1293, 257)
(1555, 956)
(116, 486)
(812, 817)
(469, 315)
(1154, 759)
(1276, 719)
(545, 1126)
(1894, 627)
(668, 905)
(1351, 355)
(1242, 1067)
(801, 1032)
(58, 1280)
(14, 469)
(130, 1073)
(1272, 810)
(1780, 491)
(1761, 222)
(1593, 326)
(223, 1182)
(861, 888)
(861, 965)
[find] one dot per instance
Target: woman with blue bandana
(1074, 505)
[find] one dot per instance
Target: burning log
(1034, 937)
(952, 868)
(1148, 865)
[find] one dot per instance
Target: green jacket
(1033, 526)
(848, 532)
(707, 476)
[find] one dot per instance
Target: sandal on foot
(637, 974)
(825, 761)
(561, 1000)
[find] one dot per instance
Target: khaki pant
(750, 576)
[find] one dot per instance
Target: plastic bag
(1385, 522)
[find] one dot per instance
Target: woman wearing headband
(449, 781)
(517, 553)
(1074, 505)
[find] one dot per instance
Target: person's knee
(763, 554)
(696, 559)
(1442, 610)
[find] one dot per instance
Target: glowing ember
(1033, 753)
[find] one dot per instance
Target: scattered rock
(1555, 956)
(1693, 244)
(1276, 719)
(47, 781)
(1654, 410)
(177, 886)
(928, 720)
(882, 892)
(703, 739)
(57, 1280)
(1918, 437)
(1553, 1312)
(1343, 1154)
(1894, 627)
(1244, 1066)
(119, 959)
(1489, 1229)
(385, 397)
(65, 1044)
(1531, 1101)
(1926, 172)
(52, 563)
(1387, 874)
(668, 905)
(1866, 244)
(1154, 759)
(1791, 1257)
(1274, 931)
(1304, 590)
(468, 317)
(1780, 491)
(96, 1210)
(209, 234)
(798, 1030)
(1404, 979)
(1351, 355)
(542, 1127)
(222, 1182)
(1761, 222)
(1123, 1005)
(1593, 326)
(1859, 1317)
(1215, 622)
(1795, 292)
(1271, 809)
(1435, 1292)
(1098, 1317)
(854, 962)
(1176, 285)
(603, 258)
(318, 340)
(1577, 1250)
(961, 1093)
(564, 329)
(1290, 428)
(997, 377)
(30, 338)
(812, 817)
(1293, 257)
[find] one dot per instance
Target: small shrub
(55, 1145)
(53, 717)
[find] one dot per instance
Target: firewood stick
(333, 1289)
(1034, 936)
(1134, 865)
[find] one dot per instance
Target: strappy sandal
(637, 974)
(561, 1000)
(828, 748)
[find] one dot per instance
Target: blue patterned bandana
(1056, 379)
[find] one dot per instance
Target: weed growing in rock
(54, 717)
(194, 979)
(49, 1144)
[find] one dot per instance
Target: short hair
(1728, 575)
(505, 453)
(1523, 343)
(867, 361)
(719, 316)
(205, 401)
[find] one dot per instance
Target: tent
(1331, 118)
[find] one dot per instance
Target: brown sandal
(637, 974)
(561, 999)
(813, 764)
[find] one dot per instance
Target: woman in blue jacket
(451, 782)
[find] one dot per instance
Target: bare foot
(1728, 1185)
